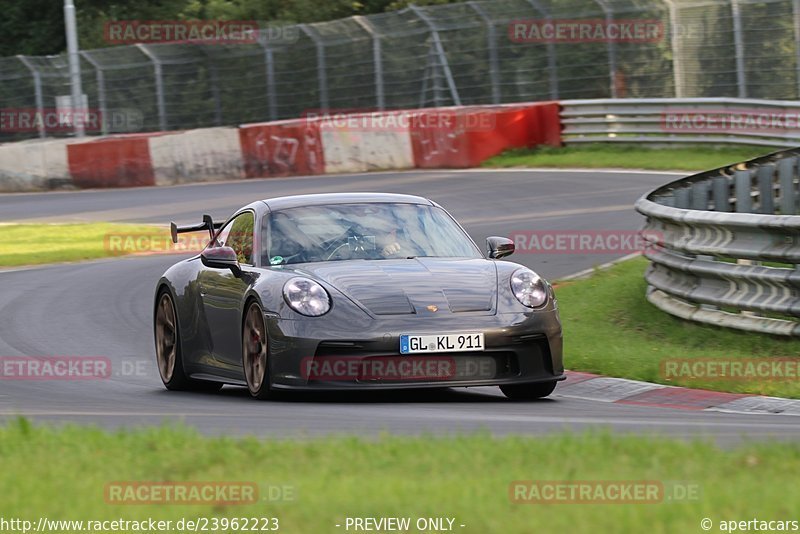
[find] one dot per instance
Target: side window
(240, 237)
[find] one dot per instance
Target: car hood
(420, 285)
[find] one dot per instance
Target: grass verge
(33, 244)
(62, 475)
(611, 329)
(627, 156)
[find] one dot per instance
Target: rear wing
(207, 224)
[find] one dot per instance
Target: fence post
(424, 90)
(321, 70)
(214, 78)
(159, 78)
(437, 43)
(677, 67)
(74, 62)
(269, 65)
(796, 25)
(738, 44)
(552, 62)
(612, 49)
(430, 65)
(377, 60)
(491, 43)
(37, 89)
(101, 90)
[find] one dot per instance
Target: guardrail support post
(667, 200)
(786, 173)
(766, 192)
(722, 194)
(743, 184)
(682, 198)
(700, 196)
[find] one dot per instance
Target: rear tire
(255, 353)
(169, 358)
(525, 392)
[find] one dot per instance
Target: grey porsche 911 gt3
(353, 291)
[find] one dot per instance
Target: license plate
(467, 342)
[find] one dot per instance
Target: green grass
(62, 474)
(628, 156)
(611, 329)
(32, 244)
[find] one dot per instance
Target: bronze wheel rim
(166, 338)
(254, 343)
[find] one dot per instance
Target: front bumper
(519, 348)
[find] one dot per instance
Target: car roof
(279, 203)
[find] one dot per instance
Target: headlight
(529, 288)
(306, 297)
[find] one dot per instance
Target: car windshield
(372, 231)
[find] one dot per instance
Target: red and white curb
(315, 144)
(593, 387)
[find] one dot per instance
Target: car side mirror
(499, 247)
(221, 258)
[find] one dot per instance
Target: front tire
(526, 392)
(168, 349)
(255, 350)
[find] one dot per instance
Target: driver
(389, 244)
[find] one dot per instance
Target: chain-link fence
(467, 53)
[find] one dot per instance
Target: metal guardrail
(725, 245)
(683, 120)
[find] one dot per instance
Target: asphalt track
(103, 308)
